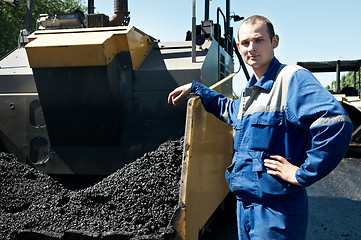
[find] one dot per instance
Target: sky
(309, 30)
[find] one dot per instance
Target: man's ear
(238, 46)
(275, 41)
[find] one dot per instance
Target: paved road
(334, 207)
(335, 204)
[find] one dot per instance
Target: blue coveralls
(287, 113)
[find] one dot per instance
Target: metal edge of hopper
(179, 217)
(86, 47)
(205, 158)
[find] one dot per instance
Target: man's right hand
(180, 92)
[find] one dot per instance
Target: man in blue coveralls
(289, 133)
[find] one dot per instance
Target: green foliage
(346, 80)
(12, 19)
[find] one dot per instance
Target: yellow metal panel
(86, 47)
(207, 154)
(139, 47)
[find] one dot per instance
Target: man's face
(255, 45)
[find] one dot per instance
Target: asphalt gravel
(135, 202)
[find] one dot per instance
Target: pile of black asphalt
(135, 202)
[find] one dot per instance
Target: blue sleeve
(222, 107)
(311, 107)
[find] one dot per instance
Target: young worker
(289, 133)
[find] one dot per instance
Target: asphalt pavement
(335, 204)
(334, 208)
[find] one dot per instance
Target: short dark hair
(253, 19)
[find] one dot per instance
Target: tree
(12, 19)
(346, 80)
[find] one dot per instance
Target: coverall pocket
(274, 185)
(267, 131)
(267, 183)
